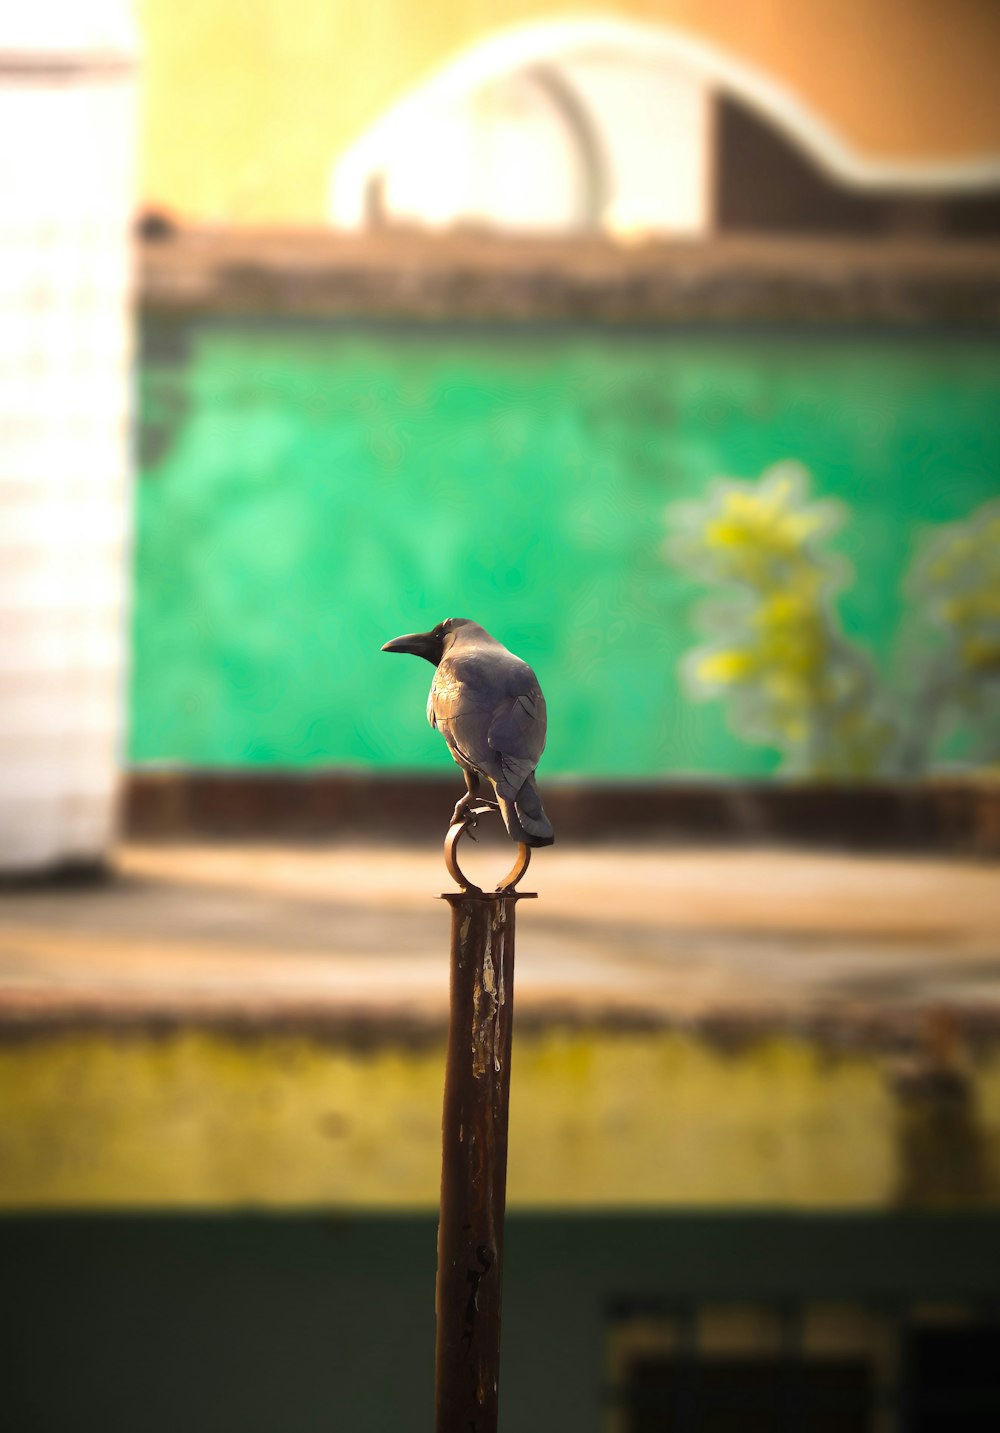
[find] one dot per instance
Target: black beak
(418, 644)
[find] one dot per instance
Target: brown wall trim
(953, 816)
(470, 278)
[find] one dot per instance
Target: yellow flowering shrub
(777, 651)
(776, 647)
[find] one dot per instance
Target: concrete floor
(337, 932)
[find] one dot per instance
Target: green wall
(310, 489)
(324, 1323)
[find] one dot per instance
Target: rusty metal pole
(474, 1161)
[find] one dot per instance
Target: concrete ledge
(222, 1024)
(346, 943)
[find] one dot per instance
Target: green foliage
(777, 648)
(778, 652)
(955, 584)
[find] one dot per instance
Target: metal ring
(516, 872)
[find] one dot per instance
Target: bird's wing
(461, 711)
(492, 715)
(517, 736)
(453, 696)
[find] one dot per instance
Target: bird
(489, 708)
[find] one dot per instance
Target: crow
(489, 708)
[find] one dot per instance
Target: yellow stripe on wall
(632, 1120)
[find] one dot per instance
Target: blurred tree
(954, 585)
(777, 647)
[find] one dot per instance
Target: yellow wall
(598, 1120)
(247, 102)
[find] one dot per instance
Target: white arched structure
(570, 124)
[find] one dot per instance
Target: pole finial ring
(455, 833)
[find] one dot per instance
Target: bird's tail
(525, 817)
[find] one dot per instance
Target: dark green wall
(319, 1324)
(309, 490)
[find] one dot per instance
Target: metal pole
(474, 1164)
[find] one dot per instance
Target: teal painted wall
(309, 490)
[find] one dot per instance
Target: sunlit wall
(249, 105)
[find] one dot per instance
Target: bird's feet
(468, 810)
